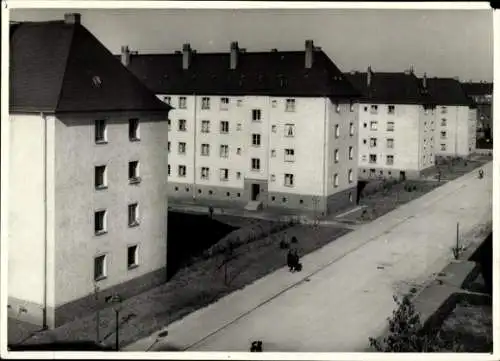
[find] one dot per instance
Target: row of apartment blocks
(289, 129)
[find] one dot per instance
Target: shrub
(407, 333)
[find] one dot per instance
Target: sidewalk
(344, 294)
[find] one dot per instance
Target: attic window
(96, 81)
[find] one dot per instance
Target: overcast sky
(443, 43)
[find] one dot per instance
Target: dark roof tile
(448, 91)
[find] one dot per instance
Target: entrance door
(402, 176)
(255, 192)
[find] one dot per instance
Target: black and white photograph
(248, 178)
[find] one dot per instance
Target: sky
(443, 43)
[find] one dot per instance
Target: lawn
(192, 288)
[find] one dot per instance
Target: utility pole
(97, 315)
(458, 237)
(117, 300)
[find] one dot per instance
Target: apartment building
(482, 95)
(396, 124)
(456, 121)
(87, 177)
(256, 129)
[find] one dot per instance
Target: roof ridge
(66, 61)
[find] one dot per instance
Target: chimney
(186, 56)
(274, 50)
(412, 70)
(125, 55)
(309, 54)
(369, 74)
(424, 81)
(233, 61)
(72, 18)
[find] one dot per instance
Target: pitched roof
(278, 73)
(448, 91)
(59, 67)
(474, 89)
(389, 88)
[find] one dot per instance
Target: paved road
(344, 294)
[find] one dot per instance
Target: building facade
(482, 95)
(256, 130)
(87, 175)
(455, 131)
(396, 125)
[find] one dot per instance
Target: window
(256, 140)
(238, 175)
(390, 160)
(133, 172)
(374, 109)
(335, 180)
(288, 180)
(182, 125)
(182, 148)
(364, 141)
(168, 146)
(169, 122)
(167, 100)
(289, 130)
(274, 103)
(205, 149)
(364, 125)
(133, 129)
(99, 268)
(365, 108)
(255, 164)
(364, 157)
(205, 172)
(273, 177)
(336, 155)
(351, 129)
(443, 147)
(443, 122)
(337, 131)
(391, 109)
(390, 143)
(224, 127)
(238, 126)
(224, 151)
(273, 128)
(351, 107)
(351, 153)
(133, 215)
(290, 105)
(390, 126)
(238, 151)
(168, 170)
(205, 103)
(181, 171)
(273, 153)
(224, 103)
(100, 131)
(224, 174)
(350, 176)
(373, 125)
(256, 115)
(289, 155)
(100, 177)
(443, 135)
(373, 158)
(182, 103)
(444, 110)
(100, 222)
(337, 107)
(205, 126)
(373, 142)
(132, 257)
(239, 103)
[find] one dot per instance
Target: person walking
(290, 259)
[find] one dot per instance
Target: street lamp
(159, 337)
(117, 300)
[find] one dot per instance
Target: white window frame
(391, 109)
(373, 142)
(205, 173)
(135, 264)
(205, 150)
(289, 180)
(335, 180)
(387, 159)
(224, 151)
(205, 126)
(256, 115)
(104, 267)
(390, 126)
(289, 155)
(182, 103)
(224, 127)
(205, 103)
(350, 176)
(181, 148)
(224, 174)
(134, 134)
(134, 208)
(370, 159)
(351, 153)
(443, 134)
(167, 99)
(100, 131)
(373, 125)
(390, 143)
(182, 126)
(169, 122)
(181, 171)
(336, 156)
(443, 147)
(224, 103)
(103, 175)
(255, 161)
(288, 128)
(256, 139)
(135, 178)
(104, 222)
(351, 129)
(337, 130)
(443, 122)
(290, 105)
(374, 109)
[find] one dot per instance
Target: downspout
(45, 268)
(195, 118)
(325, 150)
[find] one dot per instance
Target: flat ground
(344, 294)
